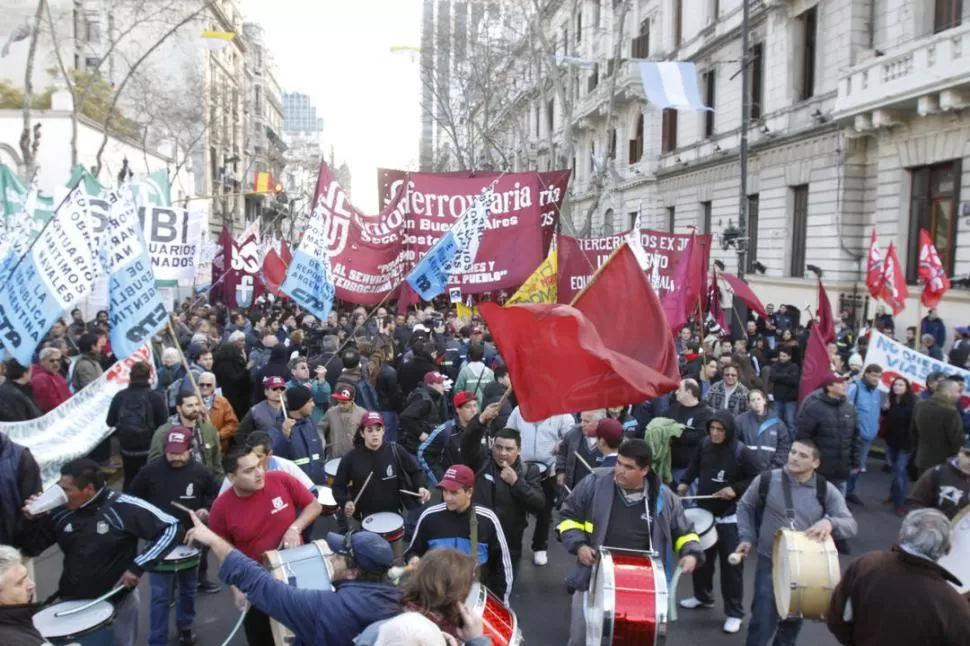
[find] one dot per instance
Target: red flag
(285, 254)
(931, 271)
(563, 358)
(893, 282)
(221, 265)
(689, 287)
(826, 323)
(743, 292)
(714, 311)
(815, 364)
(874, 269)
(274, 272)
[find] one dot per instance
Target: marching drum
(627, 601)
(306, 567)
(542, 467)
(957, 561)
(498, 621)
(330, 468)
(703, 526)
(804, 573)
(91, 627)
(327, 501)
(182, 557)
(386, 524)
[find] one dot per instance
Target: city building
(303, 134)
(857, 122)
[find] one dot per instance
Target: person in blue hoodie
(361, 596)
(864, 394)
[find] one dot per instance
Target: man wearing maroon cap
(609, 436)
(425, 410)
(267, 415)
(827, 418)
(449, 524)
(442, 448)
(339, 426)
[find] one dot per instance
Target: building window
(808, 23)
(596, 13)
(799, 230)
(754, 202)
(934, 198)
(641, 44)
(551, 115)
(565, 40)
(611, 149)
(678, 22)
(710, 81)
(671, 216)
(756, 100)
(632, 219)
(537, 120)
(579, 26)
(668, 134)
(594, 78)
(947, 14)
(636, 144)
(706, 217)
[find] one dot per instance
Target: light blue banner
(430, 276)
(309, 278)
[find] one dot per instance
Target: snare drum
(330, 468)
(91, 627)
(498, 621)
(703, 526)
(386, 524)
(542, 467)
(957, 561)
(306, 567)
(804, 573)
(627, 600)
(327, 501)
(182, 557)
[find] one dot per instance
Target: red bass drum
(627, 600)
(498, 621)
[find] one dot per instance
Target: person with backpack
(723, 470)
(426, 409)
(946, 486)
(134, 414)
(797, 497)
(87, 368)
(475, 375)
(763, 433)
(190, 414)
(339, 426)
(442, 448)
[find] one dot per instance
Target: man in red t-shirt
(259, 513)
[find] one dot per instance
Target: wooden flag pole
(188, 370)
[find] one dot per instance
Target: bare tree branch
(28, 148)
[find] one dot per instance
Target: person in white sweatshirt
(540, 442)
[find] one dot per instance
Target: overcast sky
(338, 52)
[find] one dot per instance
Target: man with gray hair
(868, 608)
(17, 606)
(576, 454)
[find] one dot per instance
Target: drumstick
(362, 487)
(410, 493)
(585, 463)
(182, 507)
(82, 608)
(698, 497)
(735, 558)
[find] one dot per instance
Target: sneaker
(540, 558)
(900, 511)
(186, 638)
(732, 625)
(208, 587)
(887, 501)
(855, 500)
(692, 603)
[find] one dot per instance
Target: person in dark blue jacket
(302, 444)
(361, 595)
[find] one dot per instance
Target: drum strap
(473, 523)
(789, 505)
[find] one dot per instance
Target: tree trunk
(27, 140)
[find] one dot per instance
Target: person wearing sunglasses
(267, 415)
(946, 486)
(221, 414)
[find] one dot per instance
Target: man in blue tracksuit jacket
(361, 596)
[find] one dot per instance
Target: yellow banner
(540, 287)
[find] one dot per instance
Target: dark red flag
(823, 311)
(743, 292)
(564, 359)
(714, 312)
(815, 364)
(221, 265)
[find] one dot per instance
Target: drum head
(51, 627)
(384, 522)
(600, 601)
(957, 562)
(781, 575)
(182, 552)
(325, 497)
(331, 466)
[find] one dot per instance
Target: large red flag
(826, 323)
(931, 271)
(274, 272)
(874, 268)
(613, 348)
(221, 265)
(714, 311)
(894, 290)
(689, 289)
(815, 364)
(743, 292)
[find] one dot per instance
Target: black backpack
(136, 424)
(821, 492)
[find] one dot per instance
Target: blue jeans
(786, 412)
(162, 584)
(390, 425)
(900, 484)
(765, 622)
(850, 485)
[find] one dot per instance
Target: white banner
(174, 239)
(899, 361)
(75, 427)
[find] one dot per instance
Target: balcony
(928, 75)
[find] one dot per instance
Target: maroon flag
(563, 358)
(815, 364)
(221, 265)
(714, 311)
(743, 292)
(826, 323)
(688, 290)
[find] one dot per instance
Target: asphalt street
(540, 599)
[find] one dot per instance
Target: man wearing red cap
(443, 447)
(339, 426)
(450, 524)
(425, 410)
(609, 436)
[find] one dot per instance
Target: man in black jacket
(425, 410)
(16, 395)
(724, 470)
(423, 361)
(827, 418)
(785, 377)
(19, 480)
(693, 413)
(98, 532)
(442, 448)
(503, 483)
(176, 478)
(134, 414)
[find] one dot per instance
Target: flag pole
(188, 370)
(596, 274)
